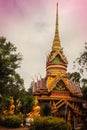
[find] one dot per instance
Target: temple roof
(39, 87)
(61, 55)
(73, 87)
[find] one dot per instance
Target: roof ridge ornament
(56, 41)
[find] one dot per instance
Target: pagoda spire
(56, 41)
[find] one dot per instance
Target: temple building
(57, 89)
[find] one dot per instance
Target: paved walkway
(21, 128)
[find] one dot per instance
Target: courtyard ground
(21, 128)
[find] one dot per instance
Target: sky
(30, 26)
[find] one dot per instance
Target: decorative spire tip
(56, 42)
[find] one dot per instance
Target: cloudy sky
(30, 25)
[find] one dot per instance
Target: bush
(10, 121)
(46, 110)
(2, 120)
(49, 123)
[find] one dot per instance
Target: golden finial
(56, 42)
(56, 29)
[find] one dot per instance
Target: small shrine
(57, 89)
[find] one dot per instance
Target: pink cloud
(80, 14)
(19, 8)
(78, 11)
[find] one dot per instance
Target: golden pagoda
(61, 93)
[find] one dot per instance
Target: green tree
(27, 102)
(30, 89)
(75, 76)
(81, 61)
(10, 80)
(84, 88)
(81, 64)
(46, 109)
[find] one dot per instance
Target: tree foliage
(81, 64)
(11, 83)
(46, 109)
(10, 80)
(81, 61)
(27, 102)
(75, 76)
(84, 88)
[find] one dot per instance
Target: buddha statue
(35, 111)
(11, 109)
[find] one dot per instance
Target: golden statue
(11, 109)
(35, 111)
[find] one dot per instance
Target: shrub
(46, 110)
(2, 120)
(49, 123)
(11, 121)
